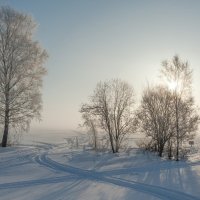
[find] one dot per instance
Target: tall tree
(21, 71)
(112, 105)
(178, 77)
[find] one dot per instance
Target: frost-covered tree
(178, 76)
(156, 117)
(112, 106)
(90, 123)
(21, 71)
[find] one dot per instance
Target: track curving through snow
(160, 192)
(42, 155)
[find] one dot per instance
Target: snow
(44, 166)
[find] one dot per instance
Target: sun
(172, 85)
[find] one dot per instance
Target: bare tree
(112, 105)
(155, 116)
(91, 124)
(178, 76)
(21, 71)
(168, 114)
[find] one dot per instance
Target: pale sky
(93, 40)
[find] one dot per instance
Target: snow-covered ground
(45, 166)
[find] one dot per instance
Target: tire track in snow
(35, 157)
(156, 191)
(22, 155)
(29, 183)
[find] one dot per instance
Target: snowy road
(56, 166)
(92, 175)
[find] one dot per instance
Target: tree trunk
(117, 144)
(117, 147)
(177, 131)
(161, 148)
(6, 119)
(169, 150)
(6, 127)
(177, 151)
(112, 143)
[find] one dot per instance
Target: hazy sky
(90, 40)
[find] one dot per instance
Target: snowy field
(46, 167)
